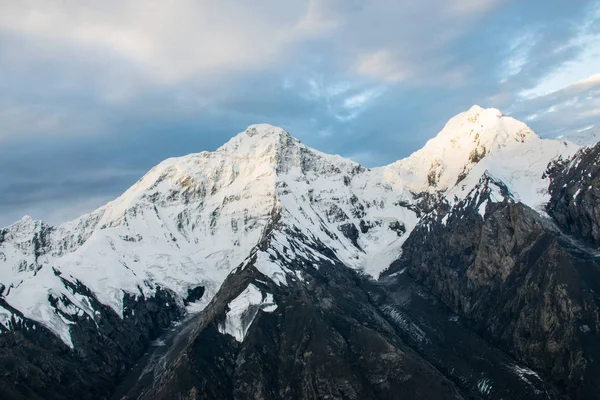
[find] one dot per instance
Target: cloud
(355, 104)
(546, 75)
(586, 39)
(46, 120)
(59, 198)
(53, 211)
(565, 110)
(381, 65)
(553, 50)
(87, 85)
(411, 43)
(518, 54)
(359, 100)
(472, 7)
(326, 14)
(169, 40)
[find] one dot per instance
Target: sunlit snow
(191, 220)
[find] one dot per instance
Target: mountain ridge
(257, 170)
(305, 223)
(265, 130)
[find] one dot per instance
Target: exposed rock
(575, 189)
(397, 227)
(351, 232)
(516, 282)
(486, 293)
(324, 340)
(195, 294)
(38, 365)
(334, 334)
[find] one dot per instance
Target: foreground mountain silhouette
(306, 275)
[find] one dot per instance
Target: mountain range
(270, 270)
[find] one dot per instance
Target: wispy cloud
(171, 40)
(586, 63)
(382, 65)
(85, 85)
(568, 109)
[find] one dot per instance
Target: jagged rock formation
(322, 338)
(271, 249)
(575, 202)
(36, 364)
(332, 333)
(516, 280)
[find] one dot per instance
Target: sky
(95, 93)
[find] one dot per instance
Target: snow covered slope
(477, 141)
(585, 137)
(191, 220)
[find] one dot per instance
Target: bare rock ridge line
(305, 275)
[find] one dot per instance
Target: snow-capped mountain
(266, 208)
(477, 141)
(190, 220)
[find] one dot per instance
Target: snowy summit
(192, 220)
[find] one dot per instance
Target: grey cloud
(198, 39)
(566, 110)
(81, 118)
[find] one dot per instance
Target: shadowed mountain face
(269, 270)
(518, 281)
(334, 334)
(575, 202)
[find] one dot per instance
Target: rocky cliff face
(36, 364)
(517, 280)
(329, 332)
(256, 272)
(575, 193)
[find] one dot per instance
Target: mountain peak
(259, 139)
(265, 131)
(465, 140)
(27, 224)
(478, 119)
(476, 109)
(191, 220)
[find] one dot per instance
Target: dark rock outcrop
(489, 300)
(325, 340)
(335, 334)
(35, 364)
(517, 281)
(351, 232)
(195, 294)
(575, 190)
